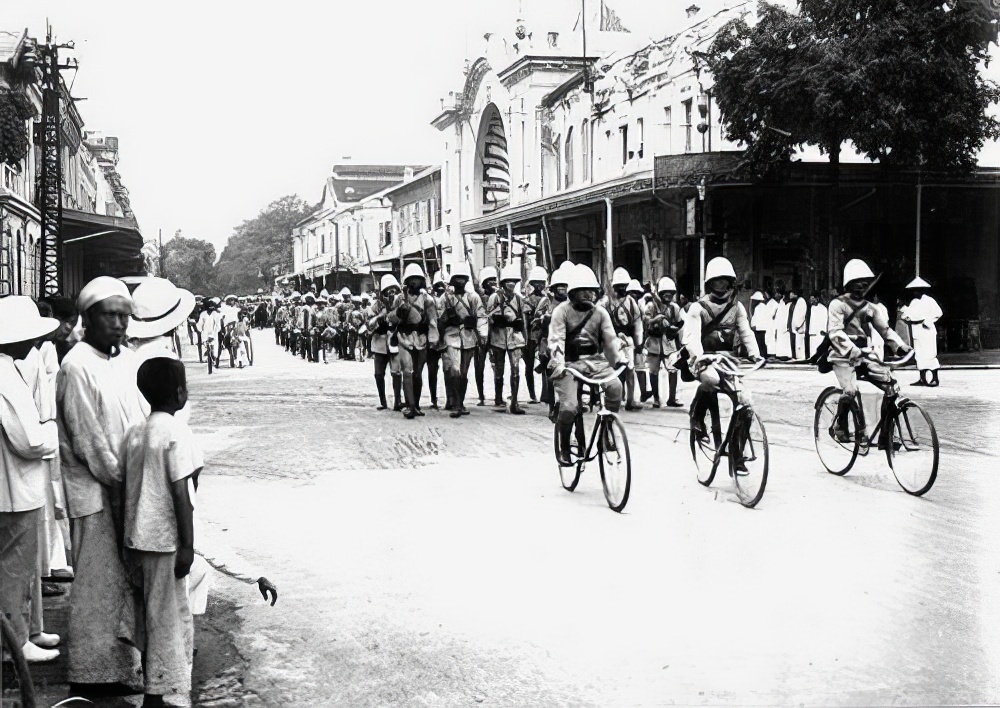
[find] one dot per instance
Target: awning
(631, 186)
(102, 238)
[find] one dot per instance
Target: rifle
(423, 257)
(371, 271)
(468, 259)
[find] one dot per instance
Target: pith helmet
(857, 269)
(634, 287)
(510, 272)
(757, 297)
(438, 278)
(560, 276)
(620, 277)
(917, 283)
(388, 281)
(460, 270)
(487, 273)
(667, 285)
(582, 278)
(414, 271)
(538, 275)
(719, 267)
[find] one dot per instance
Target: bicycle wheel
(615, 460)
(837, 456)
(749, 457)
(913, 452)
(705, 450)
(569, 475)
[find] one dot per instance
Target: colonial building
(610, 152)
(99, 233)
(328, 245)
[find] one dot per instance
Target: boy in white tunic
(160, 462)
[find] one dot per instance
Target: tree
(258, 244)
(189, 263)
(900, 79)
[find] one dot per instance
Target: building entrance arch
(492, 173)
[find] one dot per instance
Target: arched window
(569, 158)
(585, 149)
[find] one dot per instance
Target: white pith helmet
(460, 270)
(560, 276)
(758, 296)
(538, 275)
(345, 292)
(438, 278)
(916, 283)
(487, 273)
(388, 281)
(582, 278)
(634, 287)
(719, 267)
(857, 269)
(510, 272)
(666, 284)
(414, 271)
(620, 277)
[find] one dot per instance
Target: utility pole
(50, 199)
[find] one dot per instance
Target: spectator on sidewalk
(97, 401)
(160, 463)
(27, 440)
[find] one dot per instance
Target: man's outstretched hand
(266, 586)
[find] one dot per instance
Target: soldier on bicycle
(716, 322)
(581, 336)
(850, 316)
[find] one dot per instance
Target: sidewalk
(987, 359)
(217, 679)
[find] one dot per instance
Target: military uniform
(382, 332)
(506, 336)
(416, 320)
(465, 326)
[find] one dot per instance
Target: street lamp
(705, 111)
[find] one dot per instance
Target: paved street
(439, 562)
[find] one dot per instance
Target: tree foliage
(899, 78)
(189, 263)
(259, 244)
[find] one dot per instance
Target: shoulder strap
(715, 321)
(571, 333)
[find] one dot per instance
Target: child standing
(161, 463)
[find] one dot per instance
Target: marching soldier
(304, 322)
(321, 321)
(465, 326)
(434, 354)
(488, 286)
(414, 312)
(506, 314)
(641, 298)
(366, 336)
(536, 294)
(543, 316)
(626, 318)
(355, 321)
(383, 350)
(663, 322)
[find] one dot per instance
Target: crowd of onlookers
(98, 471)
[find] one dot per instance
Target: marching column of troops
(462, 322)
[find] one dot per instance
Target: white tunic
(922, 313)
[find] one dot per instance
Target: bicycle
(614, 459)
(903, 430)
(745, 435)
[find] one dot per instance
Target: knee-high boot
(397, 384)
(380, 387)
(672, 383)
(410, 410)
(449, 392)
(515, 385)
(654, 382)
(529, 377)
(644, 392)
(498, 393)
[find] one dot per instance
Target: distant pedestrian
(27, 439)
(759, 316)
(922, 314)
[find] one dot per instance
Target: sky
(222, 107)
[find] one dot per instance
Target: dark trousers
(479, 364)
(760, 342)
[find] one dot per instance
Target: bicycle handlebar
(868, 353)
(730, 365)
(597, 382)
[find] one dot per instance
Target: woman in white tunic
(921, 315)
